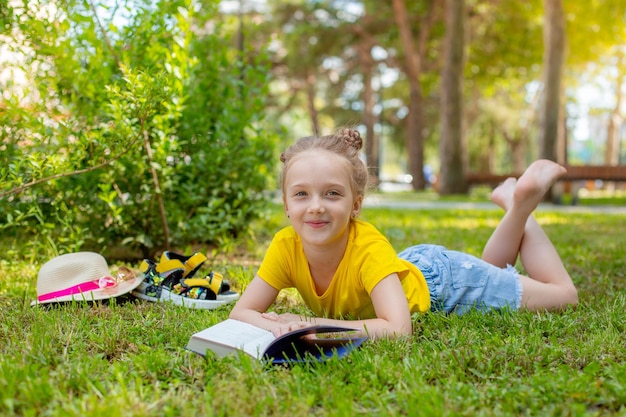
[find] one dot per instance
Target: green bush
(140, 135)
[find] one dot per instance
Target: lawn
(127, 357)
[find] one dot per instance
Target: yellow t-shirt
(369, 258)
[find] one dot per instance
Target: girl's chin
(320, 240)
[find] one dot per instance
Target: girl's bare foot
(502, 195)
(532, 186)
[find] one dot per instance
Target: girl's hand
(289, 317)
(288, 322)
(283, 318)
(273, 316)
(289, 327)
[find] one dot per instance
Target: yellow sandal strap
(194, 262)
(169, 265)
(213, 281)
(170, 261)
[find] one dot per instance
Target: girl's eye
(333, 193)
(300, 194)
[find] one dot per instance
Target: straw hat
(82, 276)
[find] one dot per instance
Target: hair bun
(352, 137)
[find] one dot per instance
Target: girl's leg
(518, 232)
(503, 246)
(548, 285)
(518, 198)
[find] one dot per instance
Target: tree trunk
(452, 171)
(614, 128)
(613, 138)
(372, 152)
(310, 99)
(615, 118)
(158, 193)
(518, 154)
(367, 64)
(415, 118)
(553, 62)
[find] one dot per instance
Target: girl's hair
(346, 143)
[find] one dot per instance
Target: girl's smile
(316, 224)
(318, 198)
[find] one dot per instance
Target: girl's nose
(316, 206)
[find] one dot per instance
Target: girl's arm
(393, 318)
(255, 301)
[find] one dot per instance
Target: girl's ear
(356, 207)
(285, 207)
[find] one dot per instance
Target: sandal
(172, 260)
(211, 287)
(170, 280)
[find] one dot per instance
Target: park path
(388, 202)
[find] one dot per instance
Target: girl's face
(318, 198)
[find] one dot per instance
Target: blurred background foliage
(132, 126)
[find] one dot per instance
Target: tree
(503, 62)
(553, 64)
(364, 47)
(303, 37)
(322, 62)
(616, 118)
(452, 173)
(413, 67)
(597, 33)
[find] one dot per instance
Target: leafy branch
(33, 183)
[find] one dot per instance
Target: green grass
(602, 197)
(127, 357)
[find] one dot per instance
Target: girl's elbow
(400, 331)
(397, 334)
(568, 299)
(235, 314)
(571, 297)
(405, 331)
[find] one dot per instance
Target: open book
(315, 343)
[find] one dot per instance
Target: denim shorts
(459, 282)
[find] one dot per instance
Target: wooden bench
(570, 183)
(595, 172)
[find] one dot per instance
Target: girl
(346, 270)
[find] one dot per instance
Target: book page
(237, 335)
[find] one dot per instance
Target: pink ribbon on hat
(98, 284)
